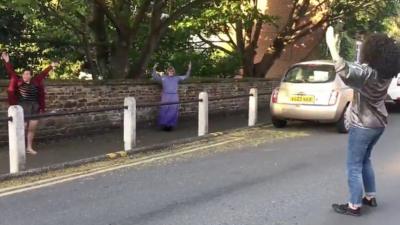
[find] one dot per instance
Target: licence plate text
(302, 99)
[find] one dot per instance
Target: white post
(203, 113)
(16, 136)
(253, 105)
(129, 123)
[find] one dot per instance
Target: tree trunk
(94, 70)
(248, 61)
(158, 29)
(269, 58)
(120, 58)
(152, 43)
(97, 26)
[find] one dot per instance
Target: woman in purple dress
(168, 115)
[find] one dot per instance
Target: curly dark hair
(382, 54)
(28, 69)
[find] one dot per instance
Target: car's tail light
(274, 97)
(333, 98)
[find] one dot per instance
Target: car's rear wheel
(278, 123)
(343, 125)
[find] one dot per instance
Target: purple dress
(168, 115)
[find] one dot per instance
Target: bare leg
(26, 134)
(31, 134)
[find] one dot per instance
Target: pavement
(250, 177)
(70, 149)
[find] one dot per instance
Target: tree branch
(318, 7)
(139, 17)
(354, 9)
(228, 34)
(211, 43)
(72, 26)
(292, 12)
(257, 32)
(103, 5)
(239, 37)
(182, 10)
(308, 31)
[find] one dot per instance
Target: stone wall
(73, 96)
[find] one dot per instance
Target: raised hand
(332, 40)
(155, 66)
(5, 57)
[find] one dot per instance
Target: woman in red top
(28, 92)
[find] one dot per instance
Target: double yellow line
(91, 172)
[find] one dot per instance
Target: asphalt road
(289, 181)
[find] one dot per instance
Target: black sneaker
(346, 210)
(371, 202)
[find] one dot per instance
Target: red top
(16, 82)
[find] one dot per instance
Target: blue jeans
(359, 167)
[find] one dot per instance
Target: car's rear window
(310, 74)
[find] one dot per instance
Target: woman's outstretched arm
(188, 72)
(154, 73)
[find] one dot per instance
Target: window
(310, 74)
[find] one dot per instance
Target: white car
(394, 91)
(311, 91)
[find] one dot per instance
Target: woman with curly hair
(370, 81)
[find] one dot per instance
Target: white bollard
(203, 113)
(129, 123)
(16, 136)
(253, 107)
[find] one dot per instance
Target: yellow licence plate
(302, 99)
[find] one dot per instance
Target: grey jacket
(368, 108)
